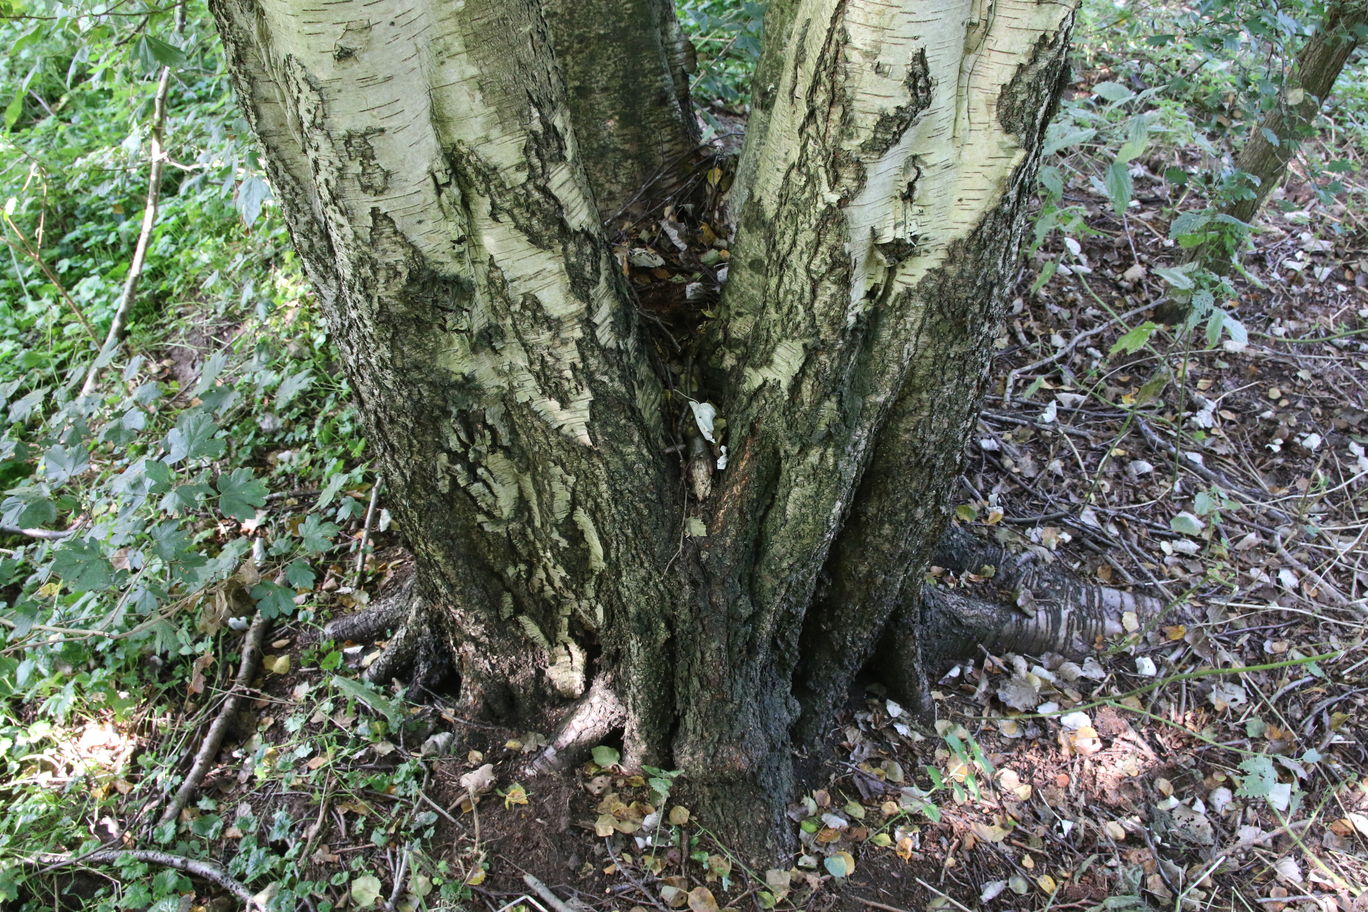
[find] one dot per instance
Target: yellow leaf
(1046, 883)
(701, 899)
(476, 878)
(1176, 632)
(679, 815)
(882, 840)
(516, 794)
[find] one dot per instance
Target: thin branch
(135, 268)
(41, 534)
(366, 530)
(251, 656)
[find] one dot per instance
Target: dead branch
(251, 657)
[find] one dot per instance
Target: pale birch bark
(423, 156)
(428, 161)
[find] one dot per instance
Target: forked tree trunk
(431, 167)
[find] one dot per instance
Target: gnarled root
(413, 653)
(591, 719)
(1028, 606)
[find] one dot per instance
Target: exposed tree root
(412, 652)
(597, 713)
(1029, 605)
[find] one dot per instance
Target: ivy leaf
(82, 566)
(240, 494)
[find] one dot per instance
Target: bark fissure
(444, 173)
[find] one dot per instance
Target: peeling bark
(442, 189)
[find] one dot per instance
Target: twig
(365, 530)
(1070, 346)
(1190, 461)
(251, 656)
(551, 899)
(877, 905)
(42, 534)
(398, 880)
(157, 159)
(204, 870)
(32, 253)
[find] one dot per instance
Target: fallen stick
(204, 870)
(213, 739)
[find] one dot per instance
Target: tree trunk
(434, 173)
(630, 108)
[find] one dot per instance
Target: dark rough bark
(630, 108)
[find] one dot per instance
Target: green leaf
(240, 494)
(1186, 524)
(81, 564)
(292, 386)
(193, 437)
(299, 575)
(28, 506)
(62, 463)
(365, 890)
(317, 534)
(364, 693)
(606, 756)
(273, 600)
(1113, 92)
(1180, 277)
(252, 194)
(1119, 188)
(1134, 340)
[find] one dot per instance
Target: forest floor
(1214, 762)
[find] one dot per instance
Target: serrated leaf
(1179, 277)
(193, 437)
(252, 194)
(240, 494)
(82, 565)
(1113, 92)
(364, 693)
(292, 386)
(299, 575)
(1118, 184)
(317, 534)
(1134, 340)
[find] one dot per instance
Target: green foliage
(725, 35)
(155, 489)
